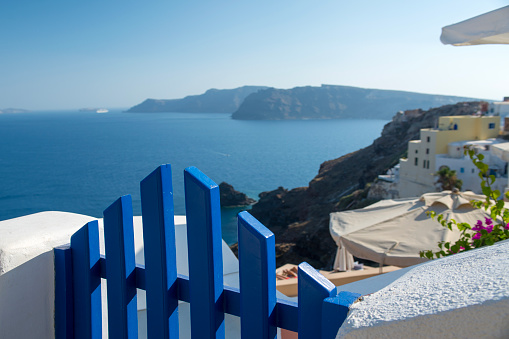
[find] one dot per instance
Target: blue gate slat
(287, 315)
(334, 312)
(102, 262)
(318, 314)
(257, 274)
(313, 288)
(205, 255)
(64, 300)
(120, 269)
(87, 281)
(183, 287)
(160, 254)
(140, 277)
(232, 300)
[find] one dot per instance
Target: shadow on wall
(24, 291)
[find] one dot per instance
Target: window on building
(428, 139)
(462, 170)
(455, 126)
(416, 151)
(427, 150)
(416, 161)
(424, 164)
(427, 164)
(491, 125)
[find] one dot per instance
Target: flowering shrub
(483, 233)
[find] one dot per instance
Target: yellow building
(416, 175)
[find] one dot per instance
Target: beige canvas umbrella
(393, 232)
(488, 28)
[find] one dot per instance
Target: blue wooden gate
(80, 267)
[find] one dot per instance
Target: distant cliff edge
(212, 101)
(335, 102)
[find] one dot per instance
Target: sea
(81, 162)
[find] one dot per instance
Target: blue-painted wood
(257, 274)
(313, 288)
(287, 315)
(232, 301)
(318, 314)
(120, 269)
(286, 311)
(87, 281)
(160, 254)
(335, 311)
(64, 313)
(203, 213)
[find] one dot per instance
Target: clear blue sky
(58, 54)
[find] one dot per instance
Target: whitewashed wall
(27, 277)
(461, 296)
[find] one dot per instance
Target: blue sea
(81, 161)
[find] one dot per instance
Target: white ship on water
(96, 110)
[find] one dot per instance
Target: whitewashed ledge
(27, 276)
(461, 296)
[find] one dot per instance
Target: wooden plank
(334, 312)
(120, 269)
(257, 274)
(203, 213)
(313, 289)
(160, 254)
(64, 303)
(87, 281)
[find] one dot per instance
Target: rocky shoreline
(299, 217)
(229, 197)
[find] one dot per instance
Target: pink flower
(507, 226)
(489, 228)
(461, 249)
(477, 228)
(477, 236)
(489, 221)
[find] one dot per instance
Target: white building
(443, 146)
(500, 108)
(466, 171)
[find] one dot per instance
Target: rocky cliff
(300, 217)
(334, 102)
(212, 101)
(229, 197)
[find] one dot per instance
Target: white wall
(465, 295)
(27, 276)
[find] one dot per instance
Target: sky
(58, 54)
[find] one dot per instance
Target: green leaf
(492, 179)
(500, 203)
(463, 226)
(486, 191)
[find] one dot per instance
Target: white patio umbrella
(488, 28)
(393, 232)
